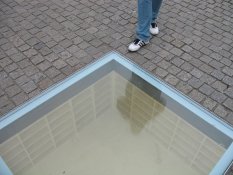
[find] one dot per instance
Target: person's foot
(136, 45)
(154, 30)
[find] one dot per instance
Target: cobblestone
(171, 79)
(196, 95)
(228, 103)
(221, 111)
(194, 82)
(13, 90)
(20, 98)
(209, 103)
(218, 85)
(184, 76)
(183, 87)
(41, 43)
(52, 72)
(206, 89)
(228, 80)
(160, 72)
(218, 96)
(29, 87)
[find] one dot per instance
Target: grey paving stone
(184, 87)
(5, 80)
(37, 59)
(209, 103)
(164, 64)
(45, 51)
(206, 89)
(65, 43)
(13, 90)
(184, 76)
(17, 57)
(52, 72)
(67, 70)
(44, 65)
(218, 74)
(177, 61)
(196, 95)
(5, 61)
(11, 51)
(187, 67)
(150, 55)
(51, 57)
(51, 43)
(3, 41)
(59, 64)
(20, 98)
(29, 87)
(59, 78)
(45, 83)
(24, 47)
(178, 43)
(160, 72)
(6, 46)
(187, 48)
(57, 49)
(138, 59)
(80, 54)
(226, 61)
(218, 85)
(216, 64)
(218, 96)
(29, 53)
(39, 45)
(221, 111)
(229, 119)
(16, 73)
(194, 82)
(32, 41)
(64, 55)
(228, 80)
(229, 92)
(206, 68)
(96, 42)
(149, 66)
(11, 67)
(207, 79)
(174, 70)
(228, 71)
(22, 80)
(176, 51)
(196, 73)
(171, 79)
(228, 103)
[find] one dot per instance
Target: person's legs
(144, 20)
(156, 4)
(147, 14)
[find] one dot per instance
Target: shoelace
(136, 41)
(153, 25)
(139, 42)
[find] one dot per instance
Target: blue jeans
(147, 13)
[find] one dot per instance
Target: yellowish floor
(107, 146)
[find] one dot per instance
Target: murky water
(114, 128)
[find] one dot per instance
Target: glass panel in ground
(111, 127)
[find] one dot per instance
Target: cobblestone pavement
(44, 41)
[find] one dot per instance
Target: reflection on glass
(112, 127)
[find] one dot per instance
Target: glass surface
(119, 125)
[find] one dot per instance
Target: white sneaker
(154, 30)
(136, 45)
